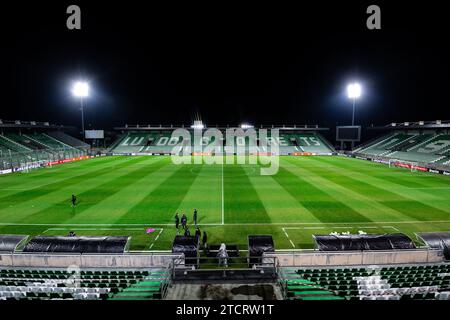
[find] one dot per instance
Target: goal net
(397, 163)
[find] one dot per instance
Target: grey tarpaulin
(363, 242)
(257, 245)
(77, 244)
(9, 243)
(188, 246)
(436, 240)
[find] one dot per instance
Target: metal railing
(198, 265)
(36, 158)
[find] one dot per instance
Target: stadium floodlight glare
(246, 126)
(354, 90)
(197, 126)
(80, 89)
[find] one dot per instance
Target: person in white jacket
(223, 256)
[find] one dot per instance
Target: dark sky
(226, 63)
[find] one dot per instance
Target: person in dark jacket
(177, 222)
(204, 239)
(183, 221)
(74, 200)
(187, 233)
(198, 234)
(195, 217)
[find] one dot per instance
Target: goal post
(398, 163)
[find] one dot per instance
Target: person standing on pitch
(177, 222)
(183, 221)
(74, 200)
(195, 217)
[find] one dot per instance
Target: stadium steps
(376, 283)
(441, 159)
(149, 288)
(13, 145)
(403, 142)
(424, 142)
(90, 284)
(298, 288)
(67, 140)
(26, 141)
(37, 141)
(412, 143)
(372, 143)
(51, 142)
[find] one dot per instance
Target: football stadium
(146, 198)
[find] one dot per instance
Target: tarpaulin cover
(186, 245)
(8, 243)
(257, 245)
(77, 244)
(437, 240)
(363, 242)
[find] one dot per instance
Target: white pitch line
(220, 224)
(151, 246)
(287, 236)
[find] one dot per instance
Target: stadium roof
(171, 127)
(30, 124)
(437, 124)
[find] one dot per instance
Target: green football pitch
(309, 195)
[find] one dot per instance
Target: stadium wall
(86, 260)
(311, 259)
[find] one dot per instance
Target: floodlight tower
(80, 90)
(354, 92)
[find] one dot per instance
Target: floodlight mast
(354, 92)
(81, 90)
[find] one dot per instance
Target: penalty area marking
(287, 236)
(151, 246)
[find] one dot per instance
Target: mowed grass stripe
(205, 194)
(118, 179)
(280, 205)
(431, 200)
(242, 203)
(401, 176)
(111, 208)
(160, 205)
(321, 204)
(408, 208)
(92, 172)
(118, 207)
(363, 203)
(38, 178)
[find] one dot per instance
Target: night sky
(224, 63)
